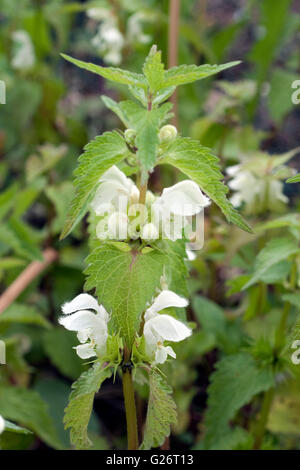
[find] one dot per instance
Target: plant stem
(263, 419)
(280, 332)
(174, 14)
(129, 400)
(143, 192)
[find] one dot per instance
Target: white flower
(118, 226)
(135, 28)
(176, 204)
(161, 327)
(109, 40)
(99, 13)
(2, 424)
(24, 56)
(91, 327)
(191, 255)
(113, 185)
(255, 191)
(150, 232)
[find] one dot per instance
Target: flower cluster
(109, 40)
(258, 185)
(165, 216)
(90, 320)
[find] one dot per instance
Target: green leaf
(111, 73)
(294, 179)
(28, 409)
(276, 250)
(100, 154)
(21, 313)
(21, 238)
(12, 427)
(199, 164)
(58, 345)
(236, 381)
(161, 413)
(124, 282)
(154, 70)
(146, 123)
(190, 73)
(79, 409)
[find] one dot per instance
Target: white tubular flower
(161, 327)
(91, 327)
(184, 198)
(2, 424)
(176, 204)
(118, 226)
(113, 185)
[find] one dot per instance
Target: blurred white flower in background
(109, 40)
(89, 319)
(2, 424)
(135, 32)
(162, 327)
(23, 50)
(258, 191)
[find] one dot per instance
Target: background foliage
(244, 287)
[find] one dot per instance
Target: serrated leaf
(79, 409)
(99, 155)
(294, 179)
(161, 413)
(21, 313)
(145, 122)
(190, 73)
(276, 250)
(26, 408)
(111, 73)
(124, 282)
(236, 381)
(153, 70)
(199, 164)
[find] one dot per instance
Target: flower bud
(150, 198)
(118, 226)
(134, 195)
(150, 232)
(167, 133)
(130, 135)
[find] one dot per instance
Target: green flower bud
(130, 135)
(167, 133)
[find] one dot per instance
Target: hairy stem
(263, 419)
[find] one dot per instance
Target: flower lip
(164, 300)
(91, 326)
(184, 198)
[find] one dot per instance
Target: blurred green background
(52, 110)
